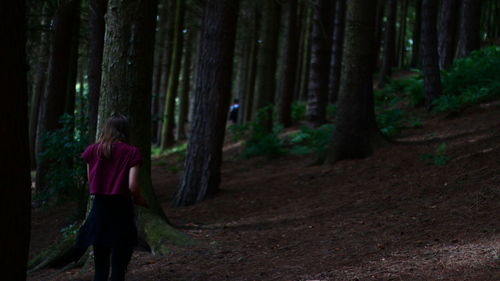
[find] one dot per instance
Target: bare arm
(133, 185)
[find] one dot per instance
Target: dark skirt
(111, 223)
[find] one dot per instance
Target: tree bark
(167, 138)
(290, 65)
(321, 42)
(186, 81)
(356, 134)
(165, 64)
(389, 43)
(448, 28)
(430, 60)
(249, 93)
(265, 84)
(401, 50)
(57, 86)
(97, 9)
(470, 19)
(213, 91)
(417, 24)
(126, 89)
(39, 81)
(15, 202)
(303, 78)
(337, 50)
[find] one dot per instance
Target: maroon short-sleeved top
(111, 176)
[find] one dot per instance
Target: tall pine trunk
(337, 50)
(417, 24)
(321, 42)
(15, 202)
(126, 89)
(265, 84)
(289, 65)
(38, 87)
(448, 29)
(167, 134)
(430, 60)
(213, 91)
(389, 43)
(186, 83)
(57, 87)
(356, 134)
(470, 18)
(97, 9)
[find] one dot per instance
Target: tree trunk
(97, 9)
(161, 34)
(306, 55)
(337, 50)
(402, 34)
(448, 32)
(430, 59)
(186, 81)
(213, 91)
(289, 65)
(389, 44)
(265, 84)
(167, 138)
(15, 202)
(417, 24)
(321, 42)
(379, 24)
(469, 37)
(57, 88)
(356, 134)
(39, 81)
(126, 89)
(249, 93)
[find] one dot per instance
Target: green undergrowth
(66, 173)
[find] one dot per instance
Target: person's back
(112, 169)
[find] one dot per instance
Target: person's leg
(101, 260)
(120, 259)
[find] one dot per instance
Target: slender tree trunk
(126, 89)
(430, 60)
(469, 37)
(289, 65)
(401, 53)
(56, 91)
(97, 9)
(356, 134)
(448, 32)
(321, 42)
(167, 138)
(337, 50)
(306, 55)
(186, 81)
(213, 91)
(389, 43)
(248, 95)
(165, 64)
(15, 202)
(39, 81)
(158, 69)
(417, 23)
(69, 107)
(265, 84)
(379, 24)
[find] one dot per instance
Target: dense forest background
(316, 82)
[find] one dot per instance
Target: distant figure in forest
(233, 111)
(113, 176)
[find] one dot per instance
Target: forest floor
(393, 216)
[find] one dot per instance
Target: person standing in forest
(233, 111)
(113, 174)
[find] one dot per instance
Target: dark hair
(114, 130)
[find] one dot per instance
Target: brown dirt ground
(393, 216)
